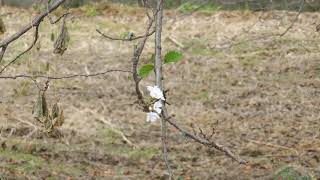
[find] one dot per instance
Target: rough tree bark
(159, 83)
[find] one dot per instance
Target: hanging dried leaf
(44, 105)
(40, 108)
(52, 37)
(48, 126)
(61, 43)
(38, 45)
(49, 119)
(60, 118)
(2, 27)
(57, 122)
(55, 111)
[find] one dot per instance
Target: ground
(257, 89)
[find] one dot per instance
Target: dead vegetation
(260, 92)
(2, 27)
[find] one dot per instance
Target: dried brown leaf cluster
(61, 43)
(49, 119)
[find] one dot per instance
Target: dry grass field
(260, 91)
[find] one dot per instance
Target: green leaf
(172, 56)
(145, 70)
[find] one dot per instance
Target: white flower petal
(157, 106)
(155, 92)
(152, 117)
(150, 88)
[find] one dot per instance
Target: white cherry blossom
(157, 107)
(152, 117)
(155, 92)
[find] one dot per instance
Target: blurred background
(258, 89)
(257, 5)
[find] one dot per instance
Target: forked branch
(36, 36)
(204, 140)
(207, 142)
(135, 62)
(34, 24)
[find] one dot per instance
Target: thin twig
(124, 39)
(176, 42)
(59, 18)
(135, 61)
(36, 36)
(138, 49)
(63, 77)
(116, 130)
(210, 144)
(113, 128)
(296, 18)
(35, 23)
(165, 115)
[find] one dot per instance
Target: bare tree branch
(36, 36)
(58, 19)
(302, 2)
(35, 23)
(124, 39)
(135, 61)
(138, 49)
(158, 72)
(210, 144)
(63, 77)
(201, 138)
